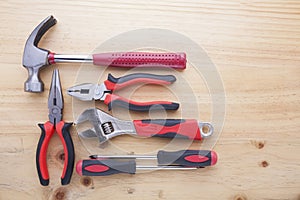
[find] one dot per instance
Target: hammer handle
(141, 59)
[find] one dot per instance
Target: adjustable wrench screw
(107, 128)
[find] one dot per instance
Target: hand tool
(103, 92)
(183, 159)
(94, 167)
(55, 123)
(35, 58)
(191, 158)
(105, 127)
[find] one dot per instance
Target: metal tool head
(88, 91)
(206, 129)
(34, 57)
(104, 125)
(55, 100)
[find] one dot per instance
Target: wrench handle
(168, 128)
(94, 167)
(141, 59)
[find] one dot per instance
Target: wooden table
(253, 44)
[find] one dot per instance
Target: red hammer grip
(141, 59)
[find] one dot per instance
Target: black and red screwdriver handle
(48, 130)
(187, 158)
(168, 128)
(94, 167)
(113, 83)
(184, 158)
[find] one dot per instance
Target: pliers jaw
(89, 91)
(55, 100)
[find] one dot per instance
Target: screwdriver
(178, 160)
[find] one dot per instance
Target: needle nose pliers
(55, 123)
(104, 91)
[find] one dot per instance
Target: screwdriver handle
(112, 100)
(113, 83)
(41, 152)
(168, 128)
(141, 59)
(187, 158)
(62, 130)
(96, 167)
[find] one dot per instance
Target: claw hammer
(35, 58)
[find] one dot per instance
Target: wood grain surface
(255, 46)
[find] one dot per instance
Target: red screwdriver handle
(168, 128)
(62, 130)
(41, 152)
(115, 100)
(141, 59)
(113, 83)
(188, 158)
(95, 167)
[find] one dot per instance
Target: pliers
(55, 123)
(103, 92)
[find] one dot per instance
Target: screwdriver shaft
(143, 167)
(144, 157)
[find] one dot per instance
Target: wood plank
(255, 47)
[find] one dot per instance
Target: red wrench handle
(141, 59)
(168, 128)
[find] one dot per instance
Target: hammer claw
(35, 58)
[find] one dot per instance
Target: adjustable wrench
(105, 127)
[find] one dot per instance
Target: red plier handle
(113, 84)
(48, 130)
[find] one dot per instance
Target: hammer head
(35, 58)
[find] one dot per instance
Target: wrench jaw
(104, 125)
(91, 116)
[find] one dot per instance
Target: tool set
(101, 165)
(105, 126)
(103, 92)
